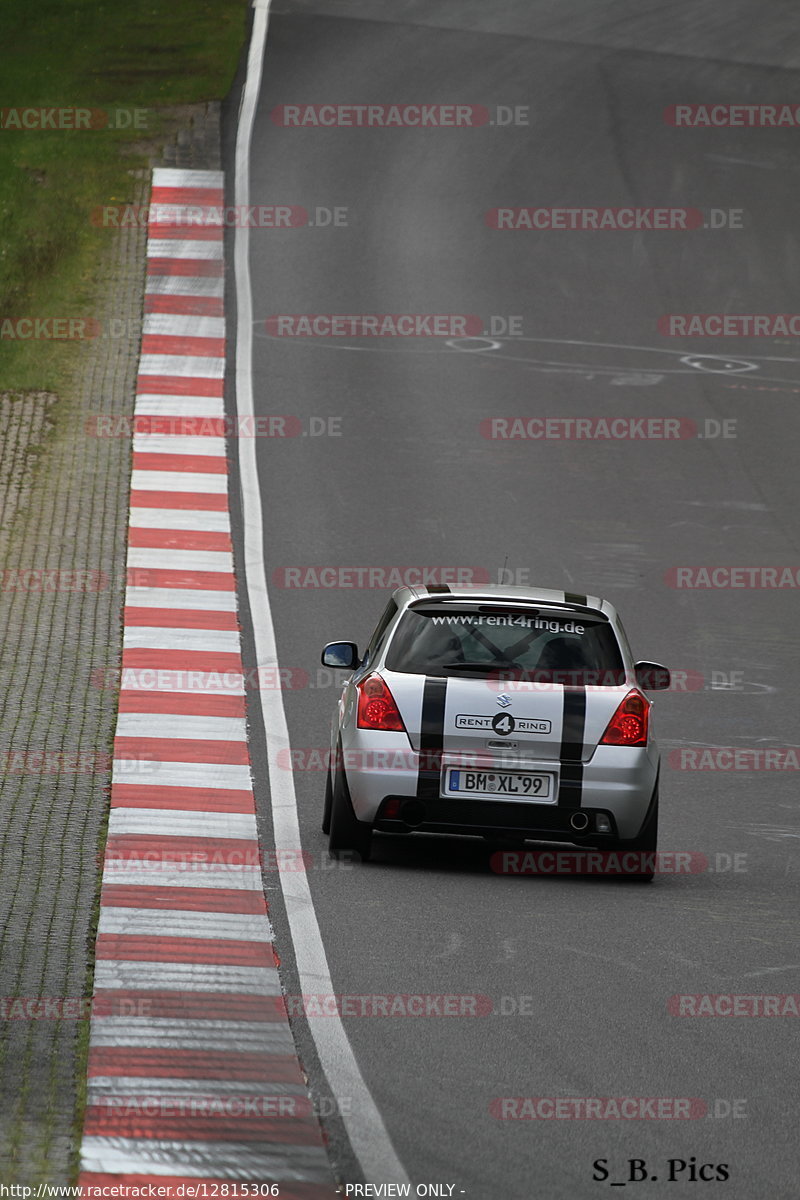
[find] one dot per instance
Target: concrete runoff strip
(188, 1024)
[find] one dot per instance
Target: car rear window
(538, 645)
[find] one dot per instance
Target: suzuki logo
(504, 700)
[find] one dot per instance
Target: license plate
(517, 786)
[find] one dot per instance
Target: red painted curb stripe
(185, 232)
(146, 795)
(177, 539)
(179, 385)
(188, 306)
(194, 196)
(279, 1131)
(193, 704)
(241, 853)
(192, 1006)
(184, 750)
(224, 900)
(197, 501)
(181, 618)
(185, 266)
(182, 425)
(183, 660)
(203, 464)
(131, 947)
(157, 577)
(193, 1064)
(166, 343)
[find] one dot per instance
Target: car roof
(508, 593)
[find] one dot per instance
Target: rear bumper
(616, 781)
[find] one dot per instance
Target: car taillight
(628, 726)
(376, 706)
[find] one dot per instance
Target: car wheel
(326, 812)
(347, 835)
(645, 843)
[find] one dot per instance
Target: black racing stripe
(570, 788)
(575, 598)
(431, 738)
(434, 588)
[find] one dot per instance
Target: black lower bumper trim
(480, 817)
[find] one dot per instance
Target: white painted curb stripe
(112, 974)
(151, 404)
(176, 822)
(185, 285)
(159, 725)
(232, 1160)
(177, 922)
(167, 248)
(186, 874)
(180, 518)
(181, 325)
(220, 561)
(179, 481)
(176, 443)
(142, 597)
(155, 637)
(182, 365)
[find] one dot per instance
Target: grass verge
(127, 64)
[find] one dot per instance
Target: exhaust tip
(579, 821)
(412, 813)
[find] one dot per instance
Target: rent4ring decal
(503, 723)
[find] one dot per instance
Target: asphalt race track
(580, 971)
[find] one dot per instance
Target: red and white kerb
(193, 1075)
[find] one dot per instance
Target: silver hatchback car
(505, 712)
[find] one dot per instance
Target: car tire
(326, 811)
(645, 843)
(347, 835)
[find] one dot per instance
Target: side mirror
(342, 656)
(652, 677)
